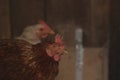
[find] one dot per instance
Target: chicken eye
(41, 29)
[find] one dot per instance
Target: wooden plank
(95, 66)
(24, 13)
(96, 33)
(4, 19)
(67, 66)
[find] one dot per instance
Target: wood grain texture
(95, 65)
(25, 13)
(97, 30)
(4, 19)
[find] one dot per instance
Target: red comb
(59, 39)
(44, 24)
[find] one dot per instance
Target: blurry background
(97, 18)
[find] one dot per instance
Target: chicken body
(26, 58)
(19, 60)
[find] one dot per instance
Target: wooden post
(5, 31)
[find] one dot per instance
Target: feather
(19, 60)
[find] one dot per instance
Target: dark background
(114, 50)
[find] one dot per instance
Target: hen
(34, 33)
(20, 60)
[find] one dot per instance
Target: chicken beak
(51, 32)
(65, 51)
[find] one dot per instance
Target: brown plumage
(19, 60)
